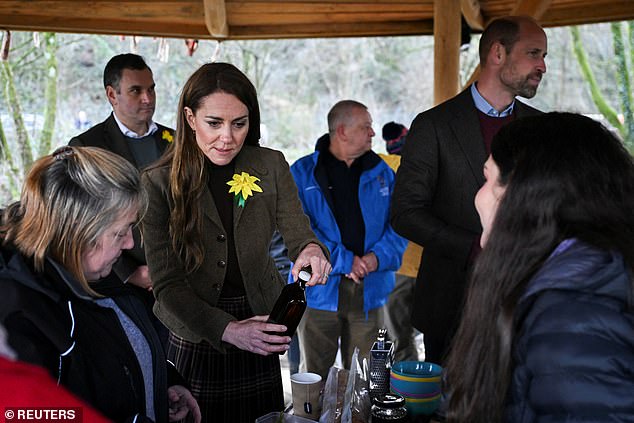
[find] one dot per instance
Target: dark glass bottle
(290, 305)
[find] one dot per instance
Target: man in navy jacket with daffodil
(131, 133)
(345, 189)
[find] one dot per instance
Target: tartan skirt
(237, 386)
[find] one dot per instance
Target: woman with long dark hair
(547, 333)
(215, 201)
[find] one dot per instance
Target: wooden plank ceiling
(259, 19)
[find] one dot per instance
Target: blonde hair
(69, 199)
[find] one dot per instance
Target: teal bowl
(419, 383)
(416, 407)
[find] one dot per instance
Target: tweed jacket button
(222, 263)
(221, 238)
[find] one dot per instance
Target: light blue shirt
(484, 106)
(152, 128)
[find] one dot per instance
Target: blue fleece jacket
(375, 192)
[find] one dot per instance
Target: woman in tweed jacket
(207, 246)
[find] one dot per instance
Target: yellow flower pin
(167, 136)
(243, 186)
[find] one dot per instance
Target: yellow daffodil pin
(243, 185)
(167, 136)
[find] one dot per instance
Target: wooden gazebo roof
(257, 19)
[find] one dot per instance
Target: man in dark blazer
(441, 171)
(131, 133)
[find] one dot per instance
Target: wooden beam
(246, 20)
(260, 19)
(533, 8)
(271, 18)
(472, 14)
(55, 12)
(588, 12)
(288, 8)
(216, 18)
(329, 30)
(447, 25)
(200, 32)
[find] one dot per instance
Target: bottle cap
(304, 275)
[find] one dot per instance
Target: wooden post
(446, 49)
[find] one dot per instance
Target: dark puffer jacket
(574, 349)
(51, 322)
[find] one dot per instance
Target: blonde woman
(74, 218)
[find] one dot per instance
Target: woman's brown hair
(188, 177)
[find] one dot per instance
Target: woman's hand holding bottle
(312, 256)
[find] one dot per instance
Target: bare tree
(621, 117)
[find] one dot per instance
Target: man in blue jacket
(345, 189)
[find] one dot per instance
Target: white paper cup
(306, 391)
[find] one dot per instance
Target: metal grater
(381, 358)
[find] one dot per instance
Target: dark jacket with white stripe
(53, 323)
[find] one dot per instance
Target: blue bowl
(427, 406)
(419, 383)
(418, 369)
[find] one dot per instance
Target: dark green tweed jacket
(186, 304)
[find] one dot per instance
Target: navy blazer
(108, 136)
